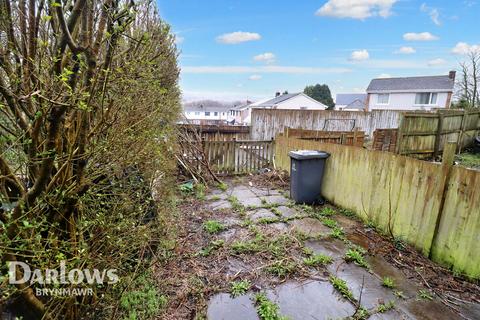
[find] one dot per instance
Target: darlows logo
(59, 276)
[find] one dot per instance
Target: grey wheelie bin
(306, 173)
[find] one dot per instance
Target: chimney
(452, 74)
(277, 94)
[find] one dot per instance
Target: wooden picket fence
(238, 156)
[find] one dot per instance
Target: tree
(468, 87)
(88, 102)
(320, 93)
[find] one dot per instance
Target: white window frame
(430, 96)
(383, 94)
(207, 113)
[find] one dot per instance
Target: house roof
(412, 84)
(348, 98)
(284, 97)
(206, 108)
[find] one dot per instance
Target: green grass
(337, 233)
(213, 226)
(276, 212)
(361, 314)
(239, 288)
(399, 294)
(424, 295)
(384, 307)
(317, 260)
(356, 256)
(341, 286)
(469, 160)
(388, 282)
(266, 309)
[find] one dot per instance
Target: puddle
(310, 300)
(223, 307)
(427, 310)
(330, 247)
(310, 227)
(372, 293)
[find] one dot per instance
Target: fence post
(447, 164)
(438, 136)
(462, 130)
(400, 133)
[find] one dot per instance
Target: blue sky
(247, 49)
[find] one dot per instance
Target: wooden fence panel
(402, 195)
(267, 123)
(350, 138)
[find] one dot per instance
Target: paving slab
(287, 212)
(310, 300)
(276, 199)
(311, 227)
(427, 310)
(358, 280)
(220, 205)
(258, 214)
(264, 192)
(331, 247)
(223, 307)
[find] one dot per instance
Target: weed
(213, 226)
(354, 255)
(361, 314)
(222, 186)
(240, 247)
(307, 251)
(236, 205)
(238, 288)
(388, 282)
(264, 201)
(399, 243)
(266, 309)
(399, 294)
(337, 233)
(215, 198)
(329, 223)
(384, 307)
(424, 295)
(341, 286)
(246, 223)
(214, 245)
(348, 213)
(281, 268)
(327, 212)
(276, 212)
(200, 191)
(317, 260)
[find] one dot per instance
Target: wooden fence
(434, 210)
(349, 138)
(385, 140)
(219, 132)
(267, 123)
(424, 134)
(236, 157)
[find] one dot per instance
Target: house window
(383, 98)
(207, 113)
(426, 98)
(215, 114)
(197, 113)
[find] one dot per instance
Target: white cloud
(179, 39)
(406, 50)
(360, 55)
(465, 48)
(384, 75)
(356, 9)
(264, 69)
(255, 77)
(266, 57)
(422, 36)
(432, 12)
(436, 62)
(238, 37)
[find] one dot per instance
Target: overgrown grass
(238, 288)
(341, 286)
(424, 295)
(222, 186)
(236, 205)
(329, 222)
(469, 160)
(282, 268)
(384, 307)
(337, 233)
(317, 260)
(266, 309)
(200, 191)
(214, 245)
(213, 226)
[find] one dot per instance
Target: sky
(250, 49)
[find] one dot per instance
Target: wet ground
(266, 241)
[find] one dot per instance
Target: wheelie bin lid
(308, 154)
